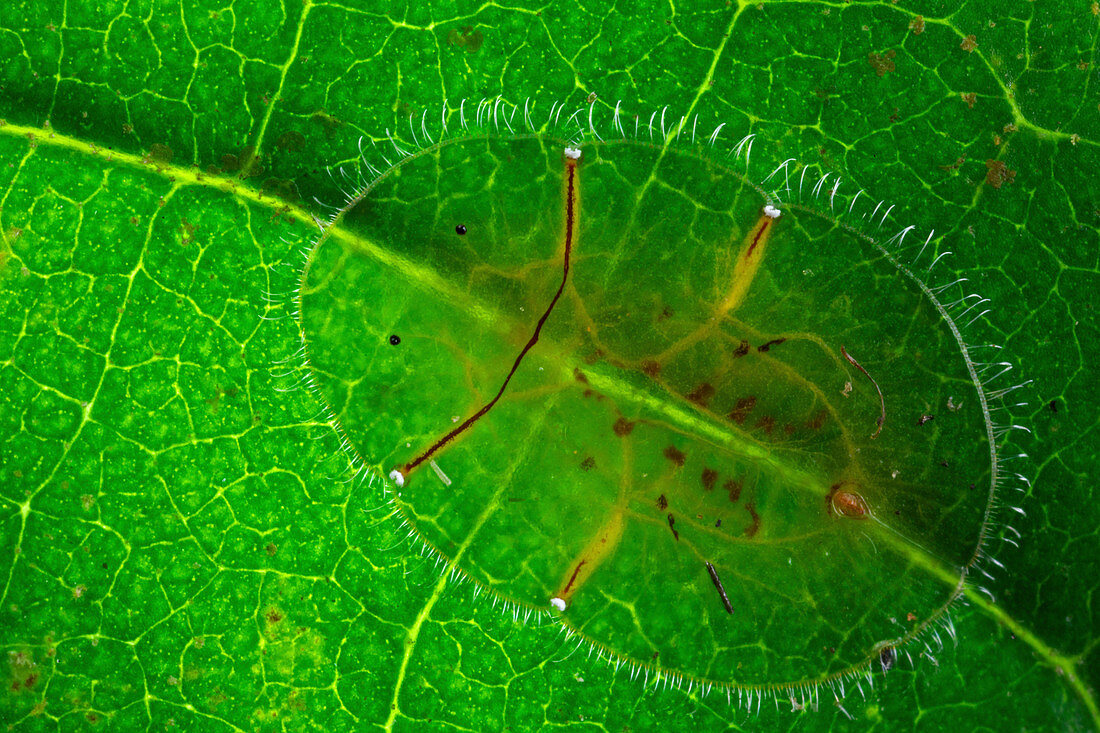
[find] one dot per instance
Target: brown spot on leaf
(270, 549)
(273, 616)
(671, 525)
(662, 502)
(709, 478)
(588, 463)
(970, 98)
(753, 528)
(818, 420)
(969, 43)
(882, 63)
(767, 422)
(742, 409)
(622, 427)
(651, 368)
(917, 25)
(579, 376)
(742, 349)
(998, 174)
(701, 395)
(767, 346)
(675, 455)
(733, 488)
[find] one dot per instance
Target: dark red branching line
(573, 577)
(721, 589)
(760, 233)
(569, 218)
(881, 399)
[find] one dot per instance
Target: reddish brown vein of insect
(881, 399)
(759, 233)
(570, 222)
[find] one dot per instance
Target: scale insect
(701, 357)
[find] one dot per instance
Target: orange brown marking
(998, 174)
(849, 504)
(845, 503)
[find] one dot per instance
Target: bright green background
(173, 549)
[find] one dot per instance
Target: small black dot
(395, 340)
(460, 229)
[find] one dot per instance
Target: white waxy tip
(557, 603)
(398, 477)
(771, 212)
(573, 153)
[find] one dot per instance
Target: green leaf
(180, 543)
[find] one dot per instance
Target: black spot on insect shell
(460, 229)
(395, 340)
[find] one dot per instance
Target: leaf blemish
(622, 427)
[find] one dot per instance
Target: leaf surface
(175, 546)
